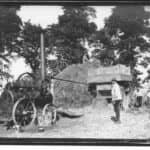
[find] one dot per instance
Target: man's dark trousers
(117, 106)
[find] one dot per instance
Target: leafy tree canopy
(122, 34)
(67, 37)
(10, 26)
(29, 45)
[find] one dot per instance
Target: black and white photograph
(75, 72)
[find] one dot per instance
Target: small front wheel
(24, 112)
(49, 113)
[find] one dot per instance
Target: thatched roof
(106, 74)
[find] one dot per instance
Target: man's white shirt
(116, 92)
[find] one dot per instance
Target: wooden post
(43, 65)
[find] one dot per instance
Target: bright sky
(47, 15)
(18, 67)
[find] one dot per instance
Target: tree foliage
(122, 34)
(64, 39)
(67, 37)
(29, 45)
(10, 26)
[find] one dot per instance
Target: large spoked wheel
(49, 113)
(24, 112)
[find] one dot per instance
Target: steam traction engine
(29, 94)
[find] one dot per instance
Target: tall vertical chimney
(43, 64)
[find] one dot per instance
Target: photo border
(74, 141)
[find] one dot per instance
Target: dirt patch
(95, 123)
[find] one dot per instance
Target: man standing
(116, 100)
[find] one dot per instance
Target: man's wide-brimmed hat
(113, 79)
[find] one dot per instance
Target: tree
(122, 34)
(10, 26)
(29, 45)
(67, 37)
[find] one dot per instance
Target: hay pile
(70, 94)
